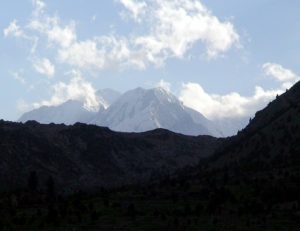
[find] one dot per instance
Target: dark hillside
(251, 183)
(83, 157)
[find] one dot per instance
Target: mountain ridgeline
(138, 110)
(89, 157)
(156, 180)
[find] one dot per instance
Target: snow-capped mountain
(141, 110)
(71, 111)
(107, 96)
(137, 110)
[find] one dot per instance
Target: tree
(132, 211)
(50, 188)
(33, 181)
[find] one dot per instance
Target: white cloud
(77, 89)
(98, 53)
(287, 77)
(170, 30)
(136, 7)
(44, 67)
(177, 25)
(52, 28)
(278, 72)
(62, 36)
(13, 30)
(82, 54)
(39, 7)
(17, 75)
(232, 105)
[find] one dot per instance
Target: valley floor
(210, 201)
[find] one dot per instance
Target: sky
(226, 59)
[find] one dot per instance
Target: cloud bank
(234, 105)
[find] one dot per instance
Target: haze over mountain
(137, 110)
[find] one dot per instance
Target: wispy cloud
(39, 7)
(13, 30)
(278, 72)
(44, 67)
(18, 75)
(136, 8)
(77, 89)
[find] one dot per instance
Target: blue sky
(223, 58)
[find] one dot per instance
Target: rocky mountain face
(142, 110)
(88, 157)
(137, 110)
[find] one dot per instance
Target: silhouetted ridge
(89, 157)
(273, 133)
